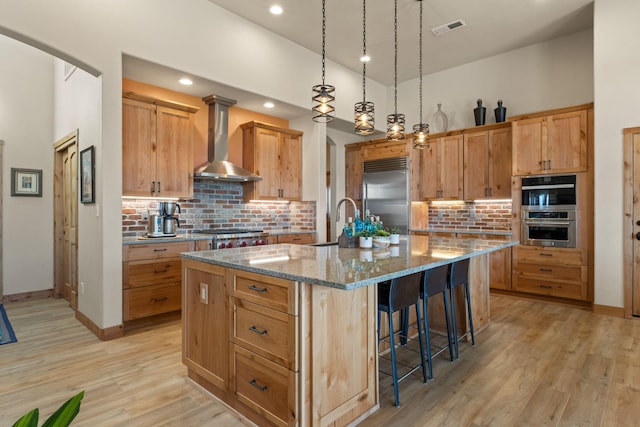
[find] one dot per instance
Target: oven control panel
(239, 243)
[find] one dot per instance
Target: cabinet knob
(638, 236)
(638, 222)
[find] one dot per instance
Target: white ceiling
(492, 27)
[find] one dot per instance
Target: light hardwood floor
(536, 364)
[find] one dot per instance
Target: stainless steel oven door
(549, 233)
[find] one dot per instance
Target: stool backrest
(459, 273)
(404, 291)
(435, 280)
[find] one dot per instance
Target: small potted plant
(381, 239)
(394, 235)
(366, 238)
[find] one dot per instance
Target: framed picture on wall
(87, 176)
(26, 182)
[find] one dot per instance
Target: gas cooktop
(229, 231)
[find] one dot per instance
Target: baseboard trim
(102, 334)
(608, 310)
(25, 296)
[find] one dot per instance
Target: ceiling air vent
(438, 31)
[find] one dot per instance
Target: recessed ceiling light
(185, 81)
(269, 104)
(275, 9)
(365, 58)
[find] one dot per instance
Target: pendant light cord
(420, 61)
(324, 30)
(395, 48)
(364, 49)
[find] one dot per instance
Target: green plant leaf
(30, 419)
(66, 413)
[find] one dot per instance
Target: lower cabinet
(298, 239)
(151, 278)
(556, 272)
(265, 346)
(500, 269)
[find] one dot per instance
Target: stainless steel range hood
(219, 168)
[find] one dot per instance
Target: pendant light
(395, 121)
(323, 94)
(364, 111)
(421, 130)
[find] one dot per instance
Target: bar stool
(395, 295)
(435, 281)
(459, 275)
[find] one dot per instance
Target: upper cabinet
(487, 163)
(441, 168)
(157, 147)
(551, 142)
(275, 154)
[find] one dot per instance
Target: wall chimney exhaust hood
(219, 168)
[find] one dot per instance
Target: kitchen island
(286, 334)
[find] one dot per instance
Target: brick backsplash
(220, 205)
(484, 216)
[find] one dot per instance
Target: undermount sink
(324, 244)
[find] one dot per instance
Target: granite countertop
(462, 231)
(348, 268)
(138, 240)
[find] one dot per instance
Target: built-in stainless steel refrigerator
(386, 191)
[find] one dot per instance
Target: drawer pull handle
(257, 289)
(254, 383)
(546, 254)
(546, 286)
(160, 271)
(258, 331)
(159, 299)
(546, 269)
(160, 250)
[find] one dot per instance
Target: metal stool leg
(453, 321)
(466, 291)
(446, 315)
(422, 361)
(425, 309)
(394, 368)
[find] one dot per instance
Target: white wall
(26, 123)
(77, 104)
(617, 94)
(553, 74)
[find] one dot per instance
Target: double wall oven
(548, 210)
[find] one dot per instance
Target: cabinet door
(291, 167)
(267, 163)
(138, 148)
(500, 269)
(451, 167)
(476, 164)
(353, 178)
(529, 136)
(174, 174)
(429, 185)
(567, 142)
(205, 320)
(500, 157)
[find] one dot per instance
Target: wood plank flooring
(536, 364)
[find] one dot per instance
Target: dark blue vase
(501, 112)
(479, 113)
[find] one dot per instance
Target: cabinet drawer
(298, 239)
(264, 331)
(151, 300)
(142, 273)
(264, 386)
(554, 272)
(155, 250)
(551, 288)
(550, 255)
(271, 292)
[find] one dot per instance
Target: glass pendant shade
(323, 99)
(395, 127)
(364, 116)
(421, 135)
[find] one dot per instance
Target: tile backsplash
(220, 205)
(478, 216)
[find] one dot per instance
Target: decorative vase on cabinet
(479, 113)
(440, 120)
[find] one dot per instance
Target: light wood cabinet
(487, 164)
(441, 168)
(554, 141)
(557, 272)
(353, 177)
(151, 278)
(275, 154)
(298, 239)
(157, 148)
